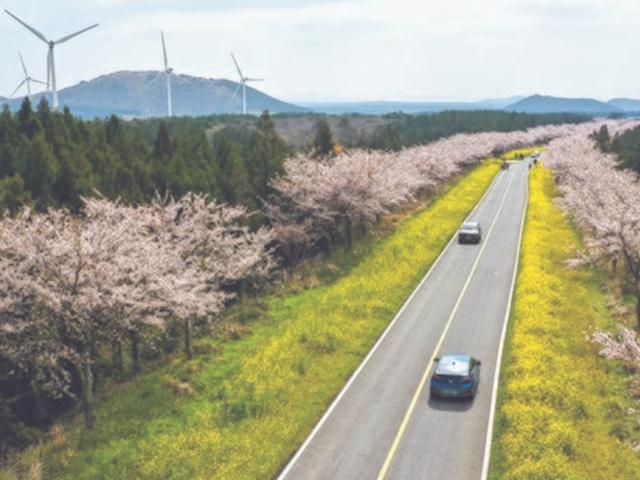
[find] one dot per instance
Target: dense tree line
(604, 199)
(409, 130)
(112, 278)
(53, 159)
(605, 202)
(625, 145)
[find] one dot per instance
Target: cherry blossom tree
(207, 254)
(626, 346)
(56, 276)
(314, 200)
(604, 199)
(70, 283)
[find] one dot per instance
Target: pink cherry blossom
(604, 199)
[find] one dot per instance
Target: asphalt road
(384, 425)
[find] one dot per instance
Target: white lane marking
(496, 375)
(425, 376)
(355, 374)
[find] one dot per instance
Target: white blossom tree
(604, 199)
(56, 277)
(70, 283)
(315, 200)
(205, 249)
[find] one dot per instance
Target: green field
(240, 410)
(562, 409)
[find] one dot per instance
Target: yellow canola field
(562, 409)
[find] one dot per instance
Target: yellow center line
(414, 401)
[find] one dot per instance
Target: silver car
(470, 232)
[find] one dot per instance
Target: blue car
(455, 376)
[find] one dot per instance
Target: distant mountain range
(530, 104)
(384, 107)
(143, 94)
(546, 104)
(625, 104)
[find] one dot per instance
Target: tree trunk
(325, 246)
(349, 233)
(117, 359)
(86, 382)
(135, 350)
(638, 309)
(187, 339)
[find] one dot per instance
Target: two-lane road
(383, 424)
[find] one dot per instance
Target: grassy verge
(240, 409)
(562, 410)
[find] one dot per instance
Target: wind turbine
(27, 80)
(51, 65)
(167, 73)
(243, 84)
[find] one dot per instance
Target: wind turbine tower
(27, 80)
(243, 84)
(168, 71)
(51, 64)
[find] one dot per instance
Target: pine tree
(163, 146)
(13, 194)
(39, 169)
(28, 122)
(266, 155)
(234, 176)
(323, 140)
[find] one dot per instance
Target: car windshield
(470, 226)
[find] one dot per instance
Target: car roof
(471, 225)
(453, 365)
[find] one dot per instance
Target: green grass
(254, 400)
(562, 409)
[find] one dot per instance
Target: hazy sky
(345, 49)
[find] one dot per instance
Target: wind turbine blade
(69, 37)
(18, 87)
(254, 79)
(153, 80)
(237, 66)
(28, 27)
(233, 97)
(164, 52)
(24, 68)
(37, 81)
